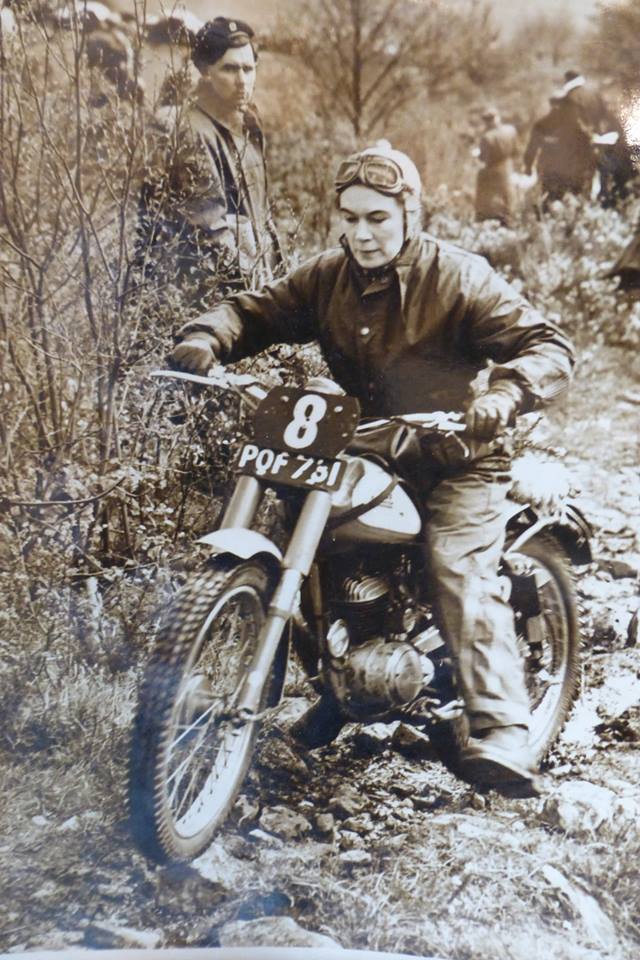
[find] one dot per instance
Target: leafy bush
(559, 263)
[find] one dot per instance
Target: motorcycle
(349, 594)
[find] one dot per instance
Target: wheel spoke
(176, 802)
(221, 654)
(187, 730)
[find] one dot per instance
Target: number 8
(307, 413)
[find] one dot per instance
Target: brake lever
(441, 421)
(189, 377)
(242, 384)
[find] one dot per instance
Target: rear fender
(569, 526)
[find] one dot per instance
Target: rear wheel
(190, 753)
(548, 635)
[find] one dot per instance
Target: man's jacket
(235, 169)
(495, 194)
(411, 339)
(209, 187)
(560, 146)
(499, 144)
(592, 107)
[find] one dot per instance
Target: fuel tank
(392, 517)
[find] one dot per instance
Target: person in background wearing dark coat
(585, 95)
(495, 194)
(560, 148)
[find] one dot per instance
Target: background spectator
(495, 194)
(560, 148)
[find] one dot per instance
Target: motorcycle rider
(405, 323)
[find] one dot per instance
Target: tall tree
(546, 38)
(371, 57)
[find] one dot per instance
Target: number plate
(295, 470)
(302, 421)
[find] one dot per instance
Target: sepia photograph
(320, 479)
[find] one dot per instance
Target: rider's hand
(488, 415)
(195, 354)
(447, 450)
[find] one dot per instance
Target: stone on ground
(271, 932)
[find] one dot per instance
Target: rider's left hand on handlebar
(489, 415)
(195, 354)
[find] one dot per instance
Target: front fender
(244, 544)
(241, 543)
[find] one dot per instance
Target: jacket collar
(250, 122)
(573, 84)
(418, 249)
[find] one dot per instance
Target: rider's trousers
(465, 536)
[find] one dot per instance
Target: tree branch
(8, 502)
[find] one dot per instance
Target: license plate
(292, 469)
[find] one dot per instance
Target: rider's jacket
(412, 337)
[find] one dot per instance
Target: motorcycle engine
(366, 602)
(376, 656)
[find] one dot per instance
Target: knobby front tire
(188, 758)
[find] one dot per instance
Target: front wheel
(190, 752)
(548, 635)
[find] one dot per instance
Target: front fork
(296, 565)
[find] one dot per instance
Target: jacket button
(365, 331)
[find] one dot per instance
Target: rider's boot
(320, 725)
(501, 757)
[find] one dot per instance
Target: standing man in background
(206, 196)
(591, 105)
(495, 194)
(561, 150)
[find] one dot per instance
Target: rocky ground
(371, 843)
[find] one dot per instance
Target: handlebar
(243, 384)
(438, 421)
(252, 391)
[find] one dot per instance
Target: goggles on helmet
(379, 173)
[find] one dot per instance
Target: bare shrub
(105, 475)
